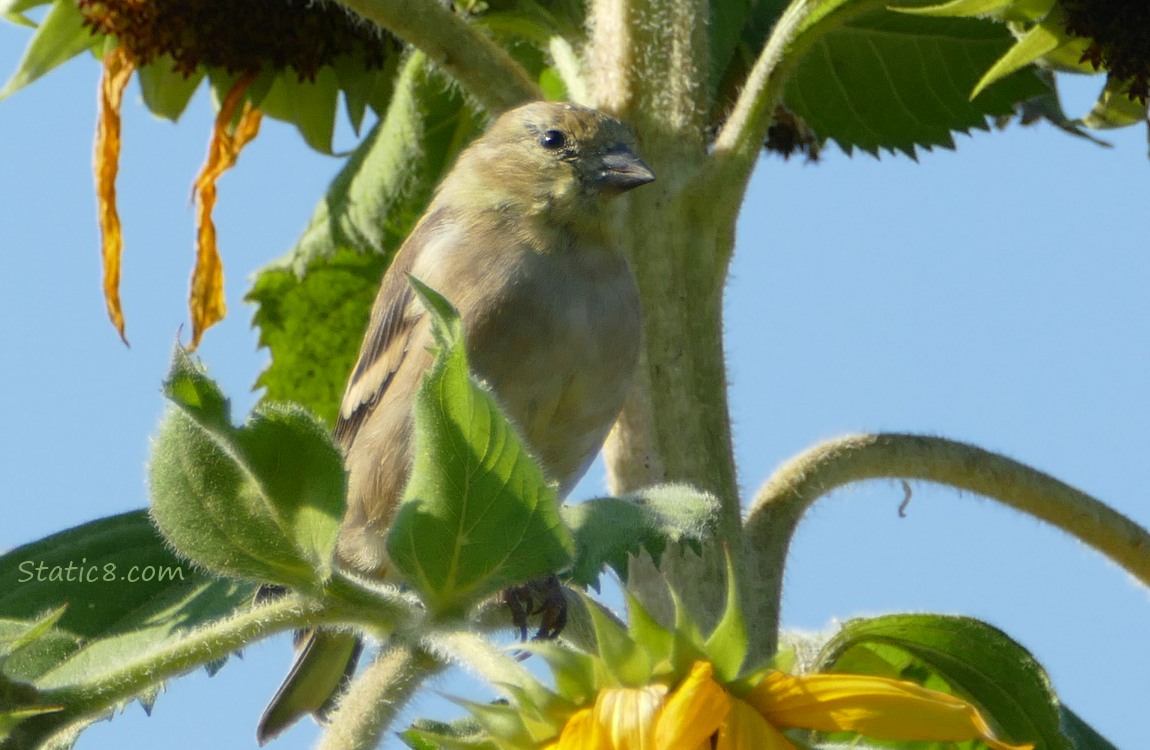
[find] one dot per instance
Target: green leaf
(727, 23)
(1000, 10)
(885, 80)
(262, 502)
(313, 324)
(111, 574)
(165, 91)
(314, 304)
(19, 702)
(751, 22)
(60, 37)
(477, 514)
(608, 530)
(112, 589)
(377, 197)
(976, 661)
(959, 8)
(1082, 736)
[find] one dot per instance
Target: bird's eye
(552, 139)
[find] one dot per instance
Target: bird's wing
(394, 318)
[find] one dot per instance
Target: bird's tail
(324, 665)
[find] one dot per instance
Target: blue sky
(995, 295)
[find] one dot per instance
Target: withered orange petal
(207, 302)
(118, 68)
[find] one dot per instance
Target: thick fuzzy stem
(483, 67)
(796, 485)
(376, 698)
(648, 65)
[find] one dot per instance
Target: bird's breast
(557, 341)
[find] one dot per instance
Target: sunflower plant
(699, 659)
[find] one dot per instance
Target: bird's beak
(621, 170)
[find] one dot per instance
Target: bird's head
(551, 159)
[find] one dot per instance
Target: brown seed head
(1119, 34)
(240, 37)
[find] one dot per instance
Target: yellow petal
(207, 297)
(118, 68)
(693, 712)
(627, 716)
(581, 733)
(873, 706)
(746, 729)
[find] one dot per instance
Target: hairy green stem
(478, 63)
(740, 141)
(377, 696)
(648, 63)
(570, 69)
(795, 486)
(181, 654)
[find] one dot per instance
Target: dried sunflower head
(289, 58)
(248, 37)
(1119, 39)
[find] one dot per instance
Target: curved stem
(740, 141)
(181, 654)
(481, 65)
(377, 696)
(741, 137)
(795, 486)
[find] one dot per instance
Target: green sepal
(626, 661)
(728, 643)
(262, 501)
(646, 630)
(688, 644)
(309, 105)
(500, 720)
(1115, 108)
(1045, 37)
(13, 10)
(60, 37)
(165, 91)
(379, 194)
(462, 734)
(540, 708)
(575, 673)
